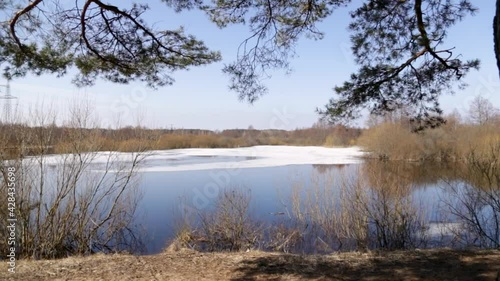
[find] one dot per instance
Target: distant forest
(392, 136)
(58, 139)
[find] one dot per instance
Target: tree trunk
(496, 34)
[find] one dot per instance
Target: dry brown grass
(439, 265)
(372, 209)
(227, 226)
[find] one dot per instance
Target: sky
(200, 97)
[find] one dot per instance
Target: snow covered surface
(255, 157)
(235, 158)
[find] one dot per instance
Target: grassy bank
(442, 264)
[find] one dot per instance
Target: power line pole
(7, 104)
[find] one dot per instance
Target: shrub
(225, 227)
(392, 141)
(63, 208)
(476, 201)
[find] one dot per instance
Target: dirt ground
(189, 265)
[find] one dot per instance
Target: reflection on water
(324, 168)
(195, 159)
(272, 190)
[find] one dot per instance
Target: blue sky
(200, 97)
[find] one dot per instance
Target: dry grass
(225, 227)
(439, 265)
(372, 209)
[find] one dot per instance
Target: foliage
(275, 28)
(99, 39)
(399, 46)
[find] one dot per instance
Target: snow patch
(257, 157)
(233, 158)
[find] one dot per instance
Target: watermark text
(11, 219)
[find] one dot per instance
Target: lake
(194, 178)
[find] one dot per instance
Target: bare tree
(482, 111)
(79, 202)
(476, 201)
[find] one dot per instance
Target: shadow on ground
(415, 265)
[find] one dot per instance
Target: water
(302, 199)
(271, 189)
(163, 192)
